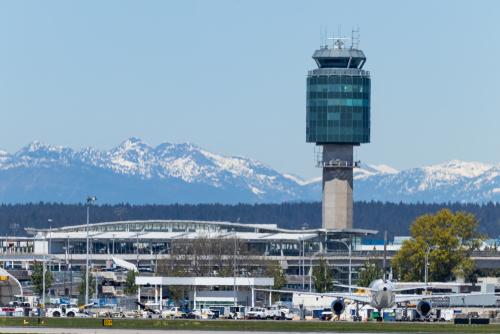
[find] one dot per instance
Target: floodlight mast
(89, 201)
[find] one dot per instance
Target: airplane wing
(407, 298)
(410, 288)
(351, 296)
(371, 289)
(356, 287)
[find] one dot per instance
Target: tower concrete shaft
(338, 118)
(337, 203)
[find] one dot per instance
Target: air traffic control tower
(338, 118)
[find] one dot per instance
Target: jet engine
(338, 306)
(424, 308)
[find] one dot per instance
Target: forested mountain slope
(396, 218)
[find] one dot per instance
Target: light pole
(349, 247)
(234, 265)
(427, 264)
(14, 227)
(6, 245)
(89, 201)
(137, 251)
(50, 243)
(311, 264)
(210, 251)
(43, 272)
(304, 227)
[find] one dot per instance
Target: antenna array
(337, 42)
(355, 38)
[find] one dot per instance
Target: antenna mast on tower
(355, 38)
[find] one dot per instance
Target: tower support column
(337, 164)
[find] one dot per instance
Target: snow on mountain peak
(177, 167)
(301, 181)
(459, 168)
(366, 170)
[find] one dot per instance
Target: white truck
(64, 310)
(277, 312)
(24, 301)
(235, 312)
(171, 312)
(256, 313)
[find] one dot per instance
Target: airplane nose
(385, 288)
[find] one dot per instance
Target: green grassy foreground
(252, 325)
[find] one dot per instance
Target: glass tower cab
(338, 97)
(337, 119)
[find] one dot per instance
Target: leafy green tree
(486, 272)
(451, 238)
(129, 287)
(279, 276)
(371, 271)
(81, 288)
(176, 290)
(323, 276)
(37, 278)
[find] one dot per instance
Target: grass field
(252, 325)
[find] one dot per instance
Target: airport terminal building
(147, 241)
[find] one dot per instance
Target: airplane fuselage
(384, 296)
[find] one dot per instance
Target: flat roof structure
(205, 281)
(202, 281)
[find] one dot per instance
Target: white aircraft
(383, 295)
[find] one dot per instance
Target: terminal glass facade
(338, 109)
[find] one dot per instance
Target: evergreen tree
(323, 276)
(280, 281)
(37, 279)
(371, 271)
(83, 284)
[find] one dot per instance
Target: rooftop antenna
(326, 37)
(320, 36)
(355, 38)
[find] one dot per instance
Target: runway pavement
(128, 331)
(145, 331)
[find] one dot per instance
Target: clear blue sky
(230, 76)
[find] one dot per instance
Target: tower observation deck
(338, 118)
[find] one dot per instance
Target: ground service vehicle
(25, 300)
(236, 312)
(171, 312)
(69, 310)
(275, 312)
(147, 310)
(256, 313)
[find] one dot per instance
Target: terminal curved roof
(189, 229)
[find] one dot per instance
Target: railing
(339, 163)
(339, 71)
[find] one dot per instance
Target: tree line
(395, 218)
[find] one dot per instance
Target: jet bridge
(9, 287)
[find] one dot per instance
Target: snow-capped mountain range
(137, 173)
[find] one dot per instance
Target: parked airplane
(383, 295)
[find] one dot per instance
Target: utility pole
(138, 251)
(304, 227)
(234, 265)
(89, 201)
(50, 243)
(43, 272)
